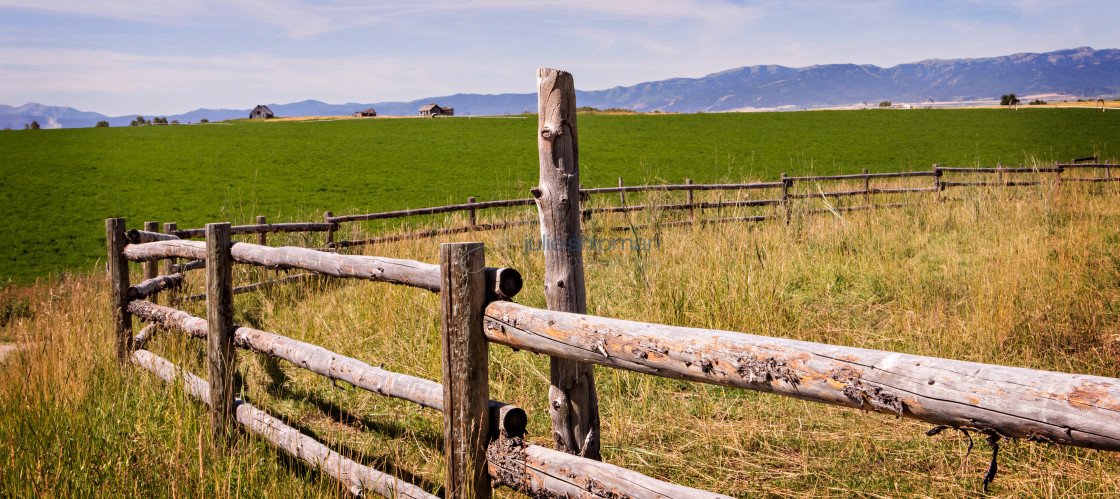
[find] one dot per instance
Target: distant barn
(433, 110)
(261, 112)
(367, 112)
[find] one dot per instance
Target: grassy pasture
(1025, 277)
(59, 185)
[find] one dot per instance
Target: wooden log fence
(1044, 406)
(357, 477)
(784, 196)
(484, 444)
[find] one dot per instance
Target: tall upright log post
(466, 390)
(117, 268)
(573, 403)
(1057, 173)
(150, 269)
(621, 194)
(219, 326)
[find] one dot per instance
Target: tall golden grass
(1023, 276)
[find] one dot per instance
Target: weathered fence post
(573, 403)
(866, 188)
(473, 219)
(330, 232)
(691, 211)
(117, 268)
(1058, 173)
(219, 326)
(150, 269)
(262, 237)
(999, 172)
(466, 391)
(785, 196)
(621, 195)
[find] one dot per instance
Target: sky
(161, 57)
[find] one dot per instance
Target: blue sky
(122, 57)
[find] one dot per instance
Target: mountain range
(1079, 72)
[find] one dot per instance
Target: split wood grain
(1068, 409)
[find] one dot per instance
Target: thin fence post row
(573, 402)
(219, 324)
(466, 392)
(116, 266)
(150, 269)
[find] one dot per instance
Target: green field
(59, 185)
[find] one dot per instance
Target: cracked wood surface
(1069, 409)
(356, 477)
(573, 403)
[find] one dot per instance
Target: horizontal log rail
(356, 477)
(686, 206)
(153, 286)
(832, 194)
(538, 471)
(1091, 179)
(503, 282)
(1000, 170)
(433, 233)
(261, 285)
(136, 236)
(1087, 165)
(861, 176)
(326, 363)
(1068, 409)
(261, 229)
(997, 183)
(179, 268)
(431, 211)
(682, 187)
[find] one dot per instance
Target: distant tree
(1036, 102)
(1009, 100)
(102, 124)
(885, 103)
(34, 125)
(174, 122)
(159, 121)
(204, 120)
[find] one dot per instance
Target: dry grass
(1025, 277)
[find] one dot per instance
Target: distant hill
(1079, 72)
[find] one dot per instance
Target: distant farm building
(261, 112)
(367, 112)
(433, 110)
